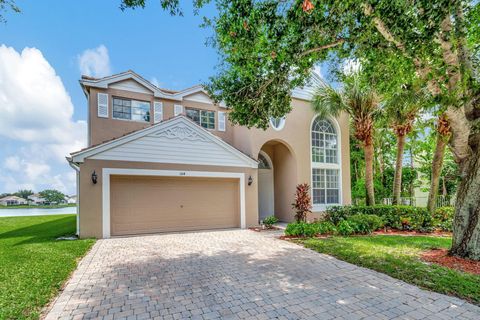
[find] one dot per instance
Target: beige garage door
(164, 204)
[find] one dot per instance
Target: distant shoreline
(57, 206)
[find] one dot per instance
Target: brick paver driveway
(237, 274)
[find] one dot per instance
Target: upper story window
(325, 164)
(127, 109)
(277, 123)
(324, 142)
(205, 118)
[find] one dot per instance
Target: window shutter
(178, 109)
(157, 112)
(102, 105)
(221, 121)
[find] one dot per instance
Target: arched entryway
(277, 178)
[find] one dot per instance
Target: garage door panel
(162, 204)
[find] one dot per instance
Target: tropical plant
(443, 131)
(345, 228)
(301, 229)
(401, 109)
(361, 102)
(270, 221)
(303, 202)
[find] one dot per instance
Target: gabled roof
(129, 74)
(304, 93)
(170, 141)
(12, 198)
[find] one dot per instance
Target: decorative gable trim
(181, 133)
(177, 140)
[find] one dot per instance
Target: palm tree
(361, 102)
(401, 109)
(443, 136)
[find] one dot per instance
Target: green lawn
(33, 265)
(397, 256)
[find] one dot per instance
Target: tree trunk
(437, 165)
(397, 179)
(368, 149)
(466, 224)
(444, 187)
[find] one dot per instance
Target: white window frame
(200, 117)
(131, 100)
(107, 172)
(324, 165)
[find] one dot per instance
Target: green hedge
(397, 217)
(304, 229)
(443, 218)
(365, 223)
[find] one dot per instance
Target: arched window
(324, 142)
(263, 163)
(325, 164)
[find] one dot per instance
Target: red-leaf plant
(303, 203)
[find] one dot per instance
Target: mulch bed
(441, 257)
(412, 233)
(260, 229)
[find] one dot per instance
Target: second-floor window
(127, 109)
(204, 118)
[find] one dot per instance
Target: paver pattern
(237, 274)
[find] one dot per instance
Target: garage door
(164, 204)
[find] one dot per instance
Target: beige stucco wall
(91, 194)
(295, 136)
(105, 129)
(288, 148)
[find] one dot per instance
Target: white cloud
(12, 163)
(36, 122)
(95, 62)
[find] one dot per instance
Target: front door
(265, 187)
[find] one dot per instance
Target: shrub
(344, 228)
(418, 218)
(270, 221)
(443, 218)
(303, 203)
(325, 227)
(365, 223)
(301, 229)
(337, 213)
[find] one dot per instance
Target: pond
(36, 212)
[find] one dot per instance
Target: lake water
(36, 212)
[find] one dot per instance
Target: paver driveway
(237, 274)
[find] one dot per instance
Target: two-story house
(159, 160)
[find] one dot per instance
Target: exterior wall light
(94, 177)
(250, 180)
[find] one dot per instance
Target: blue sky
(42, 105)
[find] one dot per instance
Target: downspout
(77, 171)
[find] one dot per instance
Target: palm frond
(327, 101)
